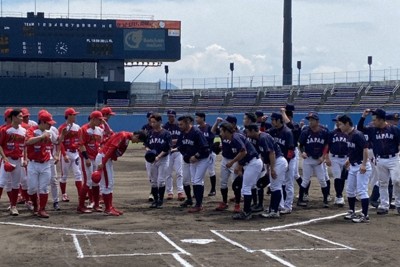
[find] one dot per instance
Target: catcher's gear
(263, 181)
(237, 183)
(216, 148)
(150, 156)
(9, 167)
(186, 158)
(96, 177)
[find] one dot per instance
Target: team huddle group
(262, 155)
(267, 155)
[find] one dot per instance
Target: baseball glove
(186, 159)
(237, 183)
(263, 181)
(9, 167)
(150, 156)
(216, 148)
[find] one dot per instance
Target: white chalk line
(278, 259)
(236, 244)
(182, 261)
(56, 228)
(77, 246)
(172, 243)
(325, 240)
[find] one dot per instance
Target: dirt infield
(172, 237)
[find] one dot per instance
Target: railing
(276, 80)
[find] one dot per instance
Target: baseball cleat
(170, 196)
(285, 211)
(222, 206)
(325, 205)
(187, 203)
(211, 194)
(42, 214)
(374, 203)
(329, 198)
(83, 210)
(302, 203)
(237, 209)
(339, 201)
(14, 211)
(65, 198)
(154, 205)
(151, 198)
(270, 215)
(195, 209)
(392, 206)
(350, 215)
(120, 212)
(29, 205)
(181, 197)
(361, 219)
(242, 216)
(56, 206)
(382, 211)
(97, 209)
(111, 212)
(306, 198)
(257, 208)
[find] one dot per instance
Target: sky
(328, 35)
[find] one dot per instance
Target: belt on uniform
(15, 158)
(39, 161)
(386, 156)
(71, 150)
(339, 156)
(356, 163)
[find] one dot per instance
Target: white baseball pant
(227, 173)
(388, 168)
(175, 164)
(311, 166)
(251, 173)
(74, 164)
(159, 172)
(357, 183)
(38, 177)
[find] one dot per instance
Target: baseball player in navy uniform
(209, 135)
(196, 152)
(262, 121)
(385, 140)
(283, 137)
(147, 128)
(227, 170)
(337, 159)
(314, 147)
(359, 169)
(159, 140)
(248, 165)
(175, 159)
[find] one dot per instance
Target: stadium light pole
(232, 68)
(369, 65)
(101, 9)
(166, 76)
(299, 68)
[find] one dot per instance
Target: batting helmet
(237, 183)
(96, 177)
(263, 181)
(216, 147)
(150, 156)
(9, 167)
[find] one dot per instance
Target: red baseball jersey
(39, 151)
(107, 132)
(12, 140)
(116, 145)
(71, 138)
(91, 138)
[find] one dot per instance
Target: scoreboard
(89, 40)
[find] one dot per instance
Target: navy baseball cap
(336, 118)
(379, 113)
(200, 114)
(313, 115)
(289, 107)
(259, 113)
(252, 127)
(344, 119)
(171, 112)
(392, 117)
(276, 116)
(149, 114)
(231, 119)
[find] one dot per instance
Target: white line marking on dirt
(182, 261)
(232, 242)
(173, 243)
(304, 249)
(129, 255)
(276, 258)
(323, 239)
(56, 228)
(198, 241)
(77, 246)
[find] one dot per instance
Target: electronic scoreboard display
(45, 39)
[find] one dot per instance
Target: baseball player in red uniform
(112, 149)
(90, 138)
(38, 141)
(12, 145)
(7, 121)
(69, 142)
(107, 114)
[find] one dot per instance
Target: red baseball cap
(70, 111)
(25, 112)
(96, 115)
(46, 117)
(107, 111)
(42, 111)
(7, 112)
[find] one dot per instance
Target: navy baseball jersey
(265, 145)
(206, 130)
(363, 129)
(239, 143)
(338, 143)
(385, 141)
(173, 129)
(314, 142)
(356, 143)
(264, 126)
(159, 141)
(284, 138)
(193, 143)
